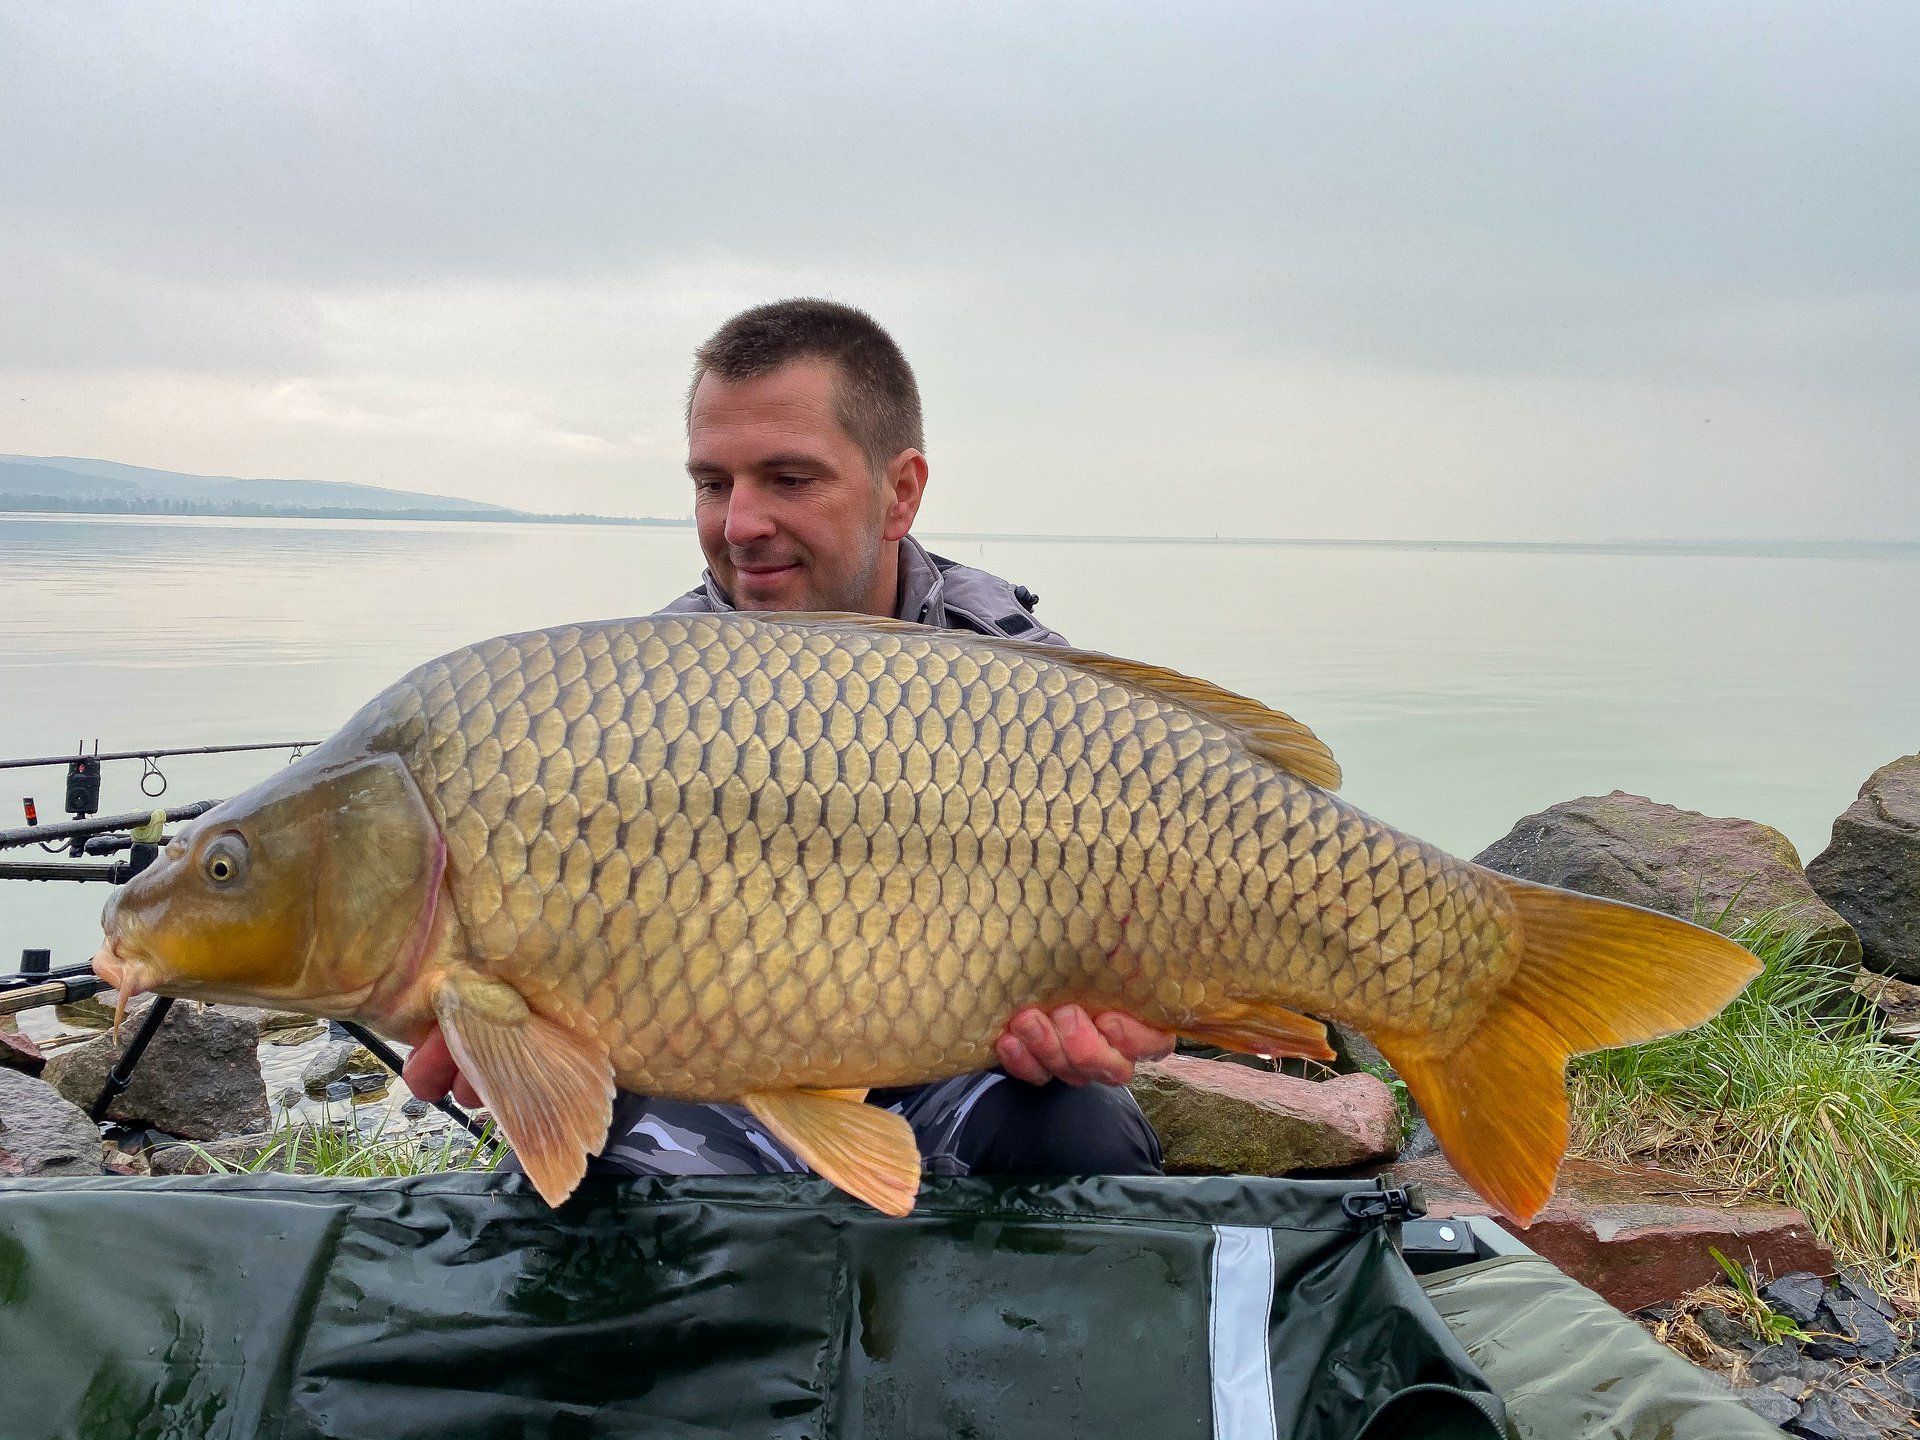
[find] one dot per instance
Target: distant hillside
(60, 483)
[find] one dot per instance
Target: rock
(1877, 1391)
(416, 1108)
(116, 1161)
(336, 1061)
(339, 1093)
(1850, 1414)
(1896, 1004)
(200, 1078)
(1905, 1377)
(1219, 1119)
(1849, 1329)
(1639, 1236)
(1796, 1296)
(1353, 1051)
(1627, 847)
(1870, 872)
(1727, 1331)
(1770, 1405)
(18, 1052)
(288, 1098)
(297, 1034)
(42, 1133)
(1773, 1362)
(1854, 1284)
(270, 1022)
(1420, 1142)
(368, 1088)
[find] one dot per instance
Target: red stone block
(1640, 1237)
(18, 1052)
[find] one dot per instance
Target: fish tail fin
(1593, 974)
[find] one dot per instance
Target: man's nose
(748, 518)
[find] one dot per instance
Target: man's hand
(430, 1073)
(1070, 1045)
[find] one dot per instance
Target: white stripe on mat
(1238, 1315)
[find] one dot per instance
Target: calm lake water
(1461, 688)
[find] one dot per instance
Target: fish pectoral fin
(550, 1089)
(1258, 1027)
(868, 1152)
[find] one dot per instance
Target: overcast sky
(1463, 269)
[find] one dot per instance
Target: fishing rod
(58, 830)
(163, 754)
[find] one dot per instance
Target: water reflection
(1461, 689)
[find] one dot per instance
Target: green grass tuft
(1787, 1093)
(324, 1149)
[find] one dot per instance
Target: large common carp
(780, 859)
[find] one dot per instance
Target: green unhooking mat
(459, 1305)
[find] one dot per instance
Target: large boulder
(1638, 1236)
(1870, 873)
(1217, 1118)
(41, 1133)
(1627, 847)
(200, 1079)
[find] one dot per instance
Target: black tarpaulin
(459, 1305)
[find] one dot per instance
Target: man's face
(790, 514)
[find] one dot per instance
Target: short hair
(876, 399)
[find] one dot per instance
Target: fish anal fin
(1590, 974)
(868, 1152)
(550, 1090)
(1258, 1027)
(856, 1096)
(1273, 735)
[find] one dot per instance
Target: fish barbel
(777, 860)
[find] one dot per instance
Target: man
(804, 442)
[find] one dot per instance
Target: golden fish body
(746, 853)
(780, 859)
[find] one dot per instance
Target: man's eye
(793, 482)
(708, 487)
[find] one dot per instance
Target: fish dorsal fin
(1273, 735)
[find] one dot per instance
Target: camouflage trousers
(982, 1123)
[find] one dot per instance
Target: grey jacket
(933, 591)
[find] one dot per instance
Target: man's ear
(906, 482)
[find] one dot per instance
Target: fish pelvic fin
(550, 1090)
(1257, 1027)
(868, 1152)
(1592, 974)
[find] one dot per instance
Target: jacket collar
(922, 586)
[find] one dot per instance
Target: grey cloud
(1669, 209)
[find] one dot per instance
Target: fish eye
(226, 859)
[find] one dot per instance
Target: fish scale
(780, 860)
(745, 851)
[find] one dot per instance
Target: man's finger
(1087, 1050)
(430, 1072)
(1015, 1060)
(465, 1093)
(1133, 1038)
(1035, 1031)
